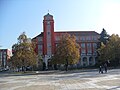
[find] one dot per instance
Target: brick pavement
(63, 81)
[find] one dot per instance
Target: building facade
(48, 39)
(4, 57)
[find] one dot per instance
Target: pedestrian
(105, 67)
(100, 68)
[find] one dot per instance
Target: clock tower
(48, 38)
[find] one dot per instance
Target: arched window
(91, 62)
(85, 63)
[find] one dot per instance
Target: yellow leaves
(23, 54)
(67, 49)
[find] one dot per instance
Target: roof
(48, 15)
(80, 32)
(40, 35)
(70, 32)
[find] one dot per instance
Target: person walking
(105, 67)
(101, 69)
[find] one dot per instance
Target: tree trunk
(66, 66)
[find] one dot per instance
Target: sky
(17, 16)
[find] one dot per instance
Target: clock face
(48, 22)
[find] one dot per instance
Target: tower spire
(48, 10)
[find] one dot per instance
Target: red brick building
(48, 39)
(5, 55)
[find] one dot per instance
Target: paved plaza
(60, 80)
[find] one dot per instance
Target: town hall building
(47, 40)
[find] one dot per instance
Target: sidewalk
(44, 72)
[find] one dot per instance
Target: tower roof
(48, 15)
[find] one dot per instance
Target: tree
(104, 37)
(110, 51)
(102, 53)
(40, 62)
(101, 46)
(23, 53)
(114, 49)
(67, 51)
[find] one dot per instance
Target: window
(4, 57)
(4, 61)
(57, 38)
(84, 61)
(94, 45)
(89, 48)
(77, 38)
(88, 45)
(39, 47)
(89, 51)
(82, 38)
(4, 52)
(49, 45)
(94, 48)
(88, 38)
(48, 28)
(94, 38)
(83, 45)
(83, 50)
(39, 39)
(48, 33)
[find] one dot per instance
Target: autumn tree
(102, 53)
(101, 46)
(110, 51)
(67, 51)
(23, 52)
(39, 62)
(114, 49)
